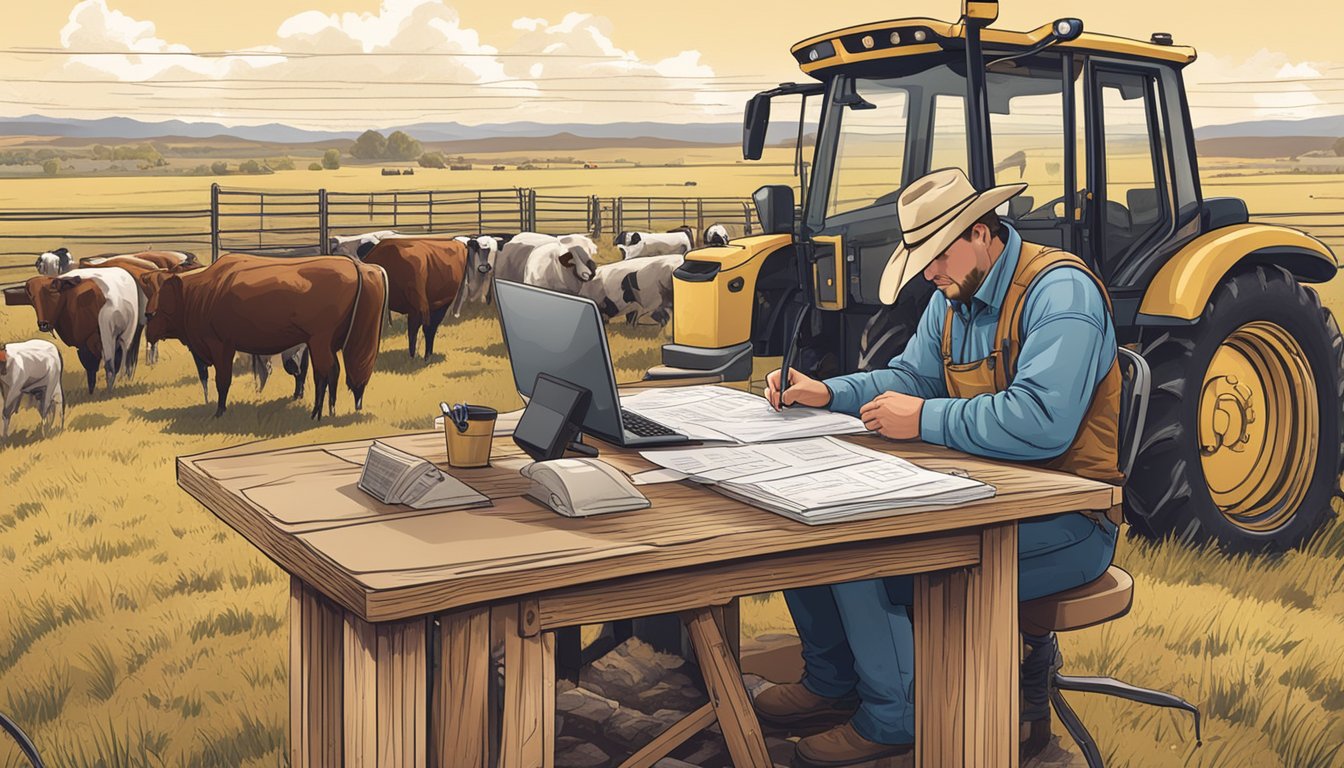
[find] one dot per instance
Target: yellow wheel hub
(1258, 423)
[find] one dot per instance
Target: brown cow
(69, 306)
(426, 276)
(171, 260)
(264, 306)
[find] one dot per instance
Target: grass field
(138, 630)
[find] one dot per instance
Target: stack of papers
(711, 413)
(819, 480)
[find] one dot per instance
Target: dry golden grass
(138, 630)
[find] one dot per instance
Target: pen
(784, 374)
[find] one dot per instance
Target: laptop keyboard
(643, 427)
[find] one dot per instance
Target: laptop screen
(562, 335)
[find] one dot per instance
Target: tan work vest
(1094, 452)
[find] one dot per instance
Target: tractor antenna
(798, 166)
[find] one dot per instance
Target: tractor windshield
(889, 127)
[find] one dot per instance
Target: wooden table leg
(459, 701)
(528, 729)
(723, 679)
(966, 652)
(315, 632)
(386, 693)
(730, 620)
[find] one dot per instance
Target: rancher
(1015, 358)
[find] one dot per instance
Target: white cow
(559, 267)
(717, 234)
(118, 320)
(54, 263)
(635, 288)
(644, 244)
(31, 368)
(511, 263)
(357, 245)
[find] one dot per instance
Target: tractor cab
(1099, 129)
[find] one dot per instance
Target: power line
(753, 79)
(21, 51)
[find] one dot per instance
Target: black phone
(552, 419)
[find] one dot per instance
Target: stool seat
(1107, 597)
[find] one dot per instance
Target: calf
(717, 234)
(31, 368)
(53, 263)
(426, 276)
(644, 244)
(294, 360)
(92, 310)
(265, 306)
(482, 252)
(636, 289)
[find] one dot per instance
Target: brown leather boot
(792, 707)
(840, 746)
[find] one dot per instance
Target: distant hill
(127, 129)
(1263, 146)
(558, 141)
(1316, 126)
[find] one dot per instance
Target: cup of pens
(469, 430)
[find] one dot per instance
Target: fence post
(323, 225)
(699, 217)
(430, 227)
(618, 213)
(261, 218)
(214, 222)
(396, 208)
(595, 208)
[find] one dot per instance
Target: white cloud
(1265, 85)
(575, 69)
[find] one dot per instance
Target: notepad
(394, 476)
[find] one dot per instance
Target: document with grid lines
(819, 480)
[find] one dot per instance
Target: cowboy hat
(934, 210)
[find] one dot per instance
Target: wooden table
(365, 586)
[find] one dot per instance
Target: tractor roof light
(1067, 29)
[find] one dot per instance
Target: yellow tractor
(1242, 442)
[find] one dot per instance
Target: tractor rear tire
(1243, 437)
(892, 326)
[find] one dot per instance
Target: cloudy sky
(343, 64)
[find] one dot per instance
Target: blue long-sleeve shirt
(1067, 348)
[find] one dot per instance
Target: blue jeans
(857, 636)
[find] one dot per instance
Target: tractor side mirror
(754, 124)
(774, 209)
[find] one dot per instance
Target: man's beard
(964, 290)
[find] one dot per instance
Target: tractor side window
(949, 133)
(1136, 199)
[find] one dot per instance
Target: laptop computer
(563, 335)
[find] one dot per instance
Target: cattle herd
(307, 310)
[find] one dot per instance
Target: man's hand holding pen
(802, 390)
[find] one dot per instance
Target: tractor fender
(713, 292)
(1181, 288)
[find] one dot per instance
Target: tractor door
(1032, 119)
(1131, 210)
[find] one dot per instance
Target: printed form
(710, 412)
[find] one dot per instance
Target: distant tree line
(372, 145)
